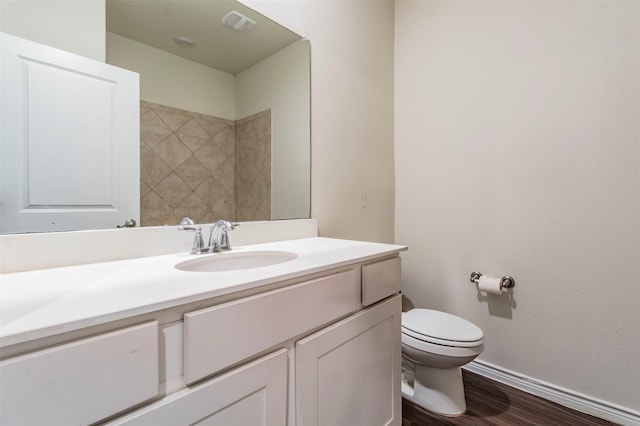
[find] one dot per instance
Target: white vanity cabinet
(319, 348)
(333, 360)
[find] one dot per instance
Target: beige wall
(281, 83)
(517, 153)
(168, 79)
(352, 111)
(77, 26)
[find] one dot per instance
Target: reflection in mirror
(224, 112)
(224, 115)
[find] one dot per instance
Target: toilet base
(440, 390)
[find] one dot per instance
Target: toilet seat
(441, 328)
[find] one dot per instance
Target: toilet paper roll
(489, 285)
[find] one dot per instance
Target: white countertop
(42, 303)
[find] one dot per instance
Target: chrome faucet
(198, 241)
(219, 237)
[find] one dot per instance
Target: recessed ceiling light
(184, 41)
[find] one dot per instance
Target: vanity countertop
(42, 303)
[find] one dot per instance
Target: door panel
(349, 373)
(70, 140)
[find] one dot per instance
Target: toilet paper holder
(505, 282)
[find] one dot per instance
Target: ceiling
(158, 22)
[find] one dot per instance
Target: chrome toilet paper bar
(505, 282)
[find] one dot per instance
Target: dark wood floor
(492, 403)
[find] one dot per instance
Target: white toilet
(434, 346)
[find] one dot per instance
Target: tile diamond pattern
(204, 167)
(253, 167)
(172, 151)
(152, 128)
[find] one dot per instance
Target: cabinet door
(349, 373)
(254, 394)
(70, 140)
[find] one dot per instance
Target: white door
(349, 373)
(69, 140)
(254, 394)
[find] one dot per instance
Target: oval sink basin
(236, 261)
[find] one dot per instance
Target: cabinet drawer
(217, 337)
(81, 382)
(254, 394)
(380, 280)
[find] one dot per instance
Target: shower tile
(192, 206)
(152, 169)
(225, 140)
(172, 151)
(154, 210)
(144, 147)
(143, 108)
(214, 126)
(258, 192)
(224, 207)
(173, 120)
(192, 135)
(224, 175)
(173, 190)
(263, 212)
(210, 191)
(152, 128)
(211, 157)
(192, 172)
(265, 172)
(144, 189)
(204, 167)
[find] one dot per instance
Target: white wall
(281, 83)
(352, 182)
(77, 26)
(171, 80)
(517, 152)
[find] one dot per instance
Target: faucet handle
(198, 241)
(187, 221)
(224, 239)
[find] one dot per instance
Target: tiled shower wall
(188, 166)
(253, 167)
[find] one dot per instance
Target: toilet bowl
(434, 346)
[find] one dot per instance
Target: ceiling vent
(238, 22)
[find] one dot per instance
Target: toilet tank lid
(441, 325)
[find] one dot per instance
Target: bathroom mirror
(234, 104)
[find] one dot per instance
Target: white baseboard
(565, 397)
